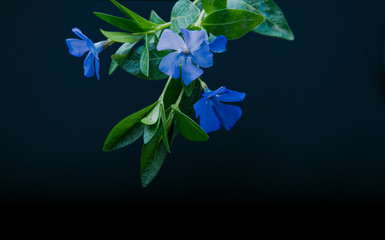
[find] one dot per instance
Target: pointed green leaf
(189, 88)
(131, 63)
(275, 24)
(145, 58)
(152, 158)
(152, 117)
(183, 14)
(154, 17)
(132, 15)
(232, 23)
(188, 128)
(126, 131)
(150, 131)
(123, 23)
(123, 50)
(213, 5)
(186, 106)
(122, 37)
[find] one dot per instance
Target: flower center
(186, 51)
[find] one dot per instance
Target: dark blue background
(312, 132)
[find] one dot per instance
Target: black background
(312, 130)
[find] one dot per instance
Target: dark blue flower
(78, 47)
(193, 49)
(214, 114)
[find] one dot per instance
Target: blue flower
(193, 49)
(214, 114)
(218, 45)
(79, 47)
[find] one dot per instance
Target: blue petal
(231, 96)
(89, 68)
(227, 114)
(100, 46)
(77, 47)
(97, 68)
(203, 57)
(190, 72)
(79, 34)
(214, 93)
(208, 119)
(170, 40)
(193, 39)
(198, 106)
(219, 44)
(170, 64)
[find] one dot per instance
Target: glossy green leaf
(145, 58)
(275, 24)
(122, 37)
(165, 129)
(132, 15)
(126, 131)
(213, 5)
(188, 128)
(172, 92)
(152, 158)
(152, 117)
(122, 50)
(183, 14)
(189, 88)
(187, 103)
(232, 23)
(154, 17)
(150, 131)
(123, 23)
(131, 63)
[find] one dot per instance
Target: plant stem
(203, 85)
(165, 89)
(198, 22)
(196, 1)
(180, 97)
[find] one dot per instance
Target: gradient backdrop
(312, 130)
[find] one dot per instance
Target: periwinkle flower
(214, 114)
(193, 49)
(218, 45)
(78, 47)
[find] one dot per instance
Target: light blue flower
(193, 49)
(78, 47)
(214, 114)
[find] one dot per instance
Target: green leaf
(275, 24)
(131, 63)
(165, 129)
(122, 37)
(123, 23)
(188, 128)
(154, 17)
(126, 131)
(123, 50)
(152, 117)
(150, 131)
(232, 23)
(152, 158)
(183, 14)
(187, 103)
(132, 15)
(145, 58)
(172, 92)
(213, 5)
(189, 88)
